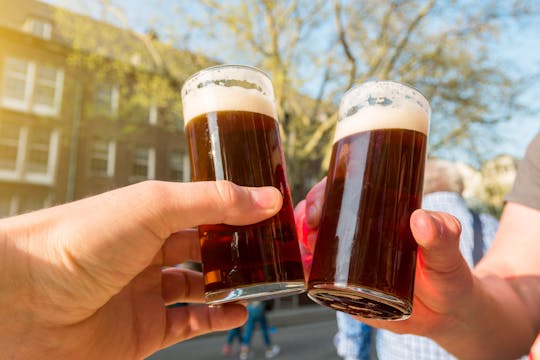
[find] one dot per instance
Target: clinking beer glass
(365, 255)
(233, 134)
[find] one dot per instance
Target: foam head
(382, 105)
(228, 88)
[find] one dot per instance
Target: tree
(443, 48)
(316, 50)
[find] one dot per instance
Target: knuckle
(227, 192)
(152, 188)
(150, 193)
(454, 226)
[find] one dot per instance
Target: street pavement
(304, 333)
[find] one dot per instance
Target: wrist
(493, 324)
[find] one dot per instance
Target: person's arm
(91, 279)
(515, 257)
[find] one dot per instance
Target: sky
(519, 46)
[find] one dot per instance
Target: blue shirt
(353, 340)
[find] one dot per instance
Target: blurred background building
(65, 133)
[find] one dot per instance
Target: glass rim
(250, 68)
(388, 82)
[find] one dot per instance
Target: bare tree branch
(317, 135)
(344, 43)
(405, 39)
(381, 44)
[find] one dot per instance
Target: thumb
(437, 235)
(165, 208)
(442, 274)
(123, 230)
(223, 202)
(314, 204)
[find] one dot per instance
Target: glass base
(255, 292)
(362, 302)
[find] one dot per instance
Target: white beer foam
(212, 98)
(411, 117)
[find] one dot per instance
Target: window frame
(153, 114)
(110, 158)
(27, 104)
(113, 101)
(16, 200)
(184, 167)
(21, 172)
(42, 109)
(30, 26)
(150, 163)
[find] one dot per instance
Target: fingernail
(313, 213)
(265, 197)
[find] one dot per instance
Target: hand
(475, 315)
(87, 279)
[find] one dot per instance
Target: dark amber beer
(233, 134)
(365, 255)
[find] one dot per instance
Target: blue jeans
(233, 334)
(256, 314)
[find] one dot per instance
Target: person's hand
(88, 279)
(307, 224)
(464, 311)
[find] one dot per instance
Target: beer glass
(233, 134)
(365, 255)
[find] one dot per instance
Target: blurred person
(491, 311)
(92, 278)
(443, 188)
(354, 339)
(257, 315)
(228, 347)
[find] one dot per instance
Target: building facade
(65, 135)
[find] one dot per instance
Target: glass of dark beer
(365, 255)
(233, 134)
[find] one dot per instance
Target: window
(18, 203)
(38, 27)
(6, 204)
(37, 157)
(106, 100)
(28, 154)
(103, 155)
(18, 77)
(32, 87)
(9, 146)
(47, 90)
(153, 114)
(31, 202)
(143, 164)
(179, 166)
